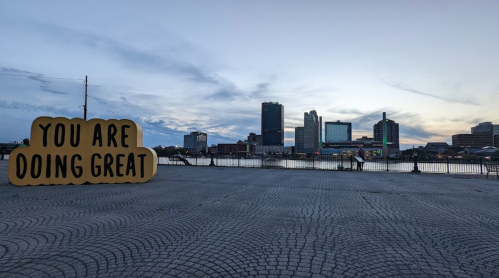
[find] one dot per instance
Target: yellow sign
(75, 151)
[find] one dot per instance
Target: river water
(379, 165)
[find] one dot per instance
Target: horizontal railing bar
(332, 162)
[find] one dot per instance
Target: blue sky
(181, 66)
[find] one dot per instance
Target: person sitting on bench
(361, 154)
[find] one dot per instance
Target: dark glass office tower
(272, 124)
(299, 140)
(311, 132)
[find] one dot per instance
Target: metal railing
(337, 162)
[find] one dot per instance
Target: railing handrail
(341, 162)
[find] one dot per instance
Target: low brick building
(472, 140)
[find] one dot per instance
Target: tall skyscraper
(196, 141)
(299, 140)
(311, 132)
(272, 124)
(392, 131)
(338, 131)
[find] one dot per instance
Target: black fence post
(387, 163)
(351, 162)
(481, 165)
(447, 164)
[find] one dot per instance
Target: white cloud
(180, 67)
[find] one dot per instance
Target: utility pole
(85, 106)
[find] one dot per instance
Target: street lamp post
(416, 170)
(212, 163)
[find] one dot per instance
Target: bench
(491, 168)
(177, 158)
(174, 158)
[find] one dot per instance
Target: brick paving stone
(287, 272)
(222, 222)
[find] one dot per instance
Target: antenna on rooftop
(85, 106)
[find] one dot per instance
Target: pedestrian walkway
(239, 222)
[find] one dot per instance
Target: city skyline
(176, 68)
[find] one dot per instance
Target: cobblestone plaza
(244, 222)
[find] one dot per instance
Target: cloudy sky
(181, 66)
